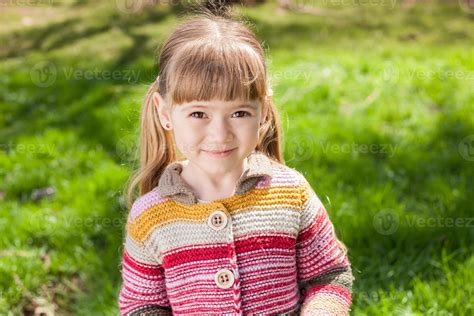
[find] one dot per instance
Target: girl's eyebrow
(251, 106)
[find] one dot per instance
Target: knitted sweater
(269, 249)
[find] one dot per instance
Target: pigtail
(157, 149)
(270, 131)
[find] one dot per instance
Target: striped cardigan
(270, 249)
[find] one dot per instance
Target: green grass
(376, 104)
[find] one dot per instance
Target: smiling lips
(220, 153)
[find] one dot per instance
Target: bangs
(207, 71)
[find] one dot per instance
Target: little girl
(230, 229)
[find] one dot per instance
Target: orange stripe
(169, 211)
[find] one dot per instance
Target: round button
(224, 278)
(217, 220)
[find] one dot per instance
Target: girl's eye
(194, 113)
(201, 113)
(248, 114)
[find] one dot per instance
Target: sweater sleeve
(143, 290)
(324, 271)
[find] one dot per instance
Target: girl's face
(203, 128)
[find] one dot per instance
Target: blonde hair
(211, 55)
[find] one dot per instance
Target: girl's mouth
(220, 153)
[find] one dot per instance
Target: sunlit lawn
(376, 105)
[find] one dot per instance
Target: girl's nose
(220, 131)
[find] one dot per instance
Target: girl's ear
(156, 98)
(162, 110)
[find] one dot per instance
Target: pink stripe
(251, 292)
(143, 203)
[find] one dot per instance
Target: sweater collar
(172, 185)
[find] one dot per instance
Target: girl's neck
(207, 188)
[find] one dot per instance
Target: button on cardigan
(269, 249)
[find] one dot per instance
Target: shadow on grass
(413, 248)
(65, 33)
